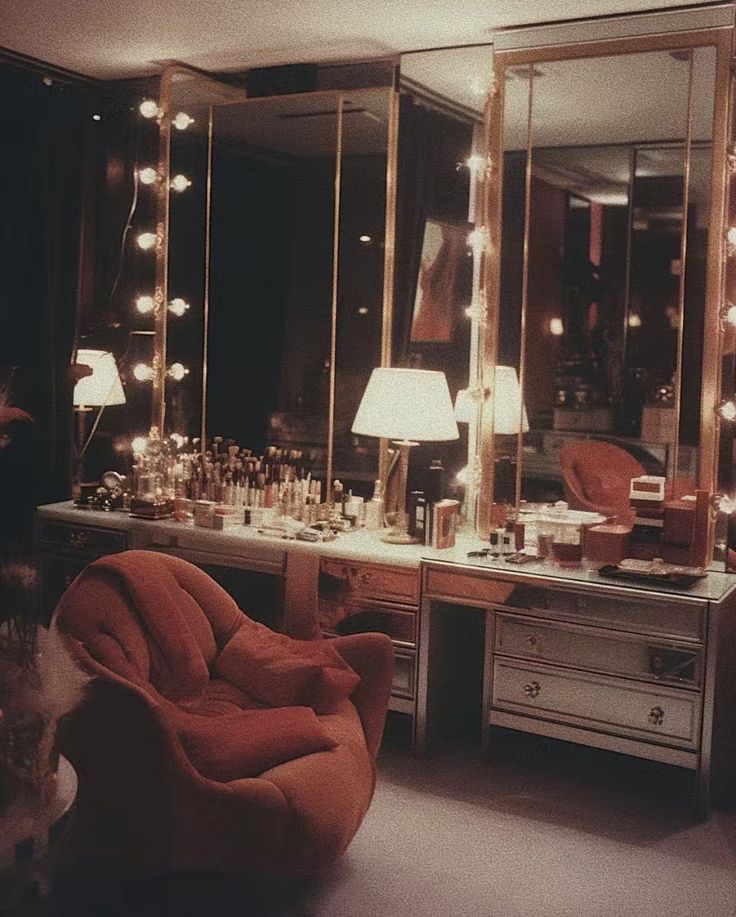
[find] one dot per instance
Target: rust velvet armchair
(206, 740)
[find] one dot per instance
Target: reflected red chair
(597, 477)
(207, 741)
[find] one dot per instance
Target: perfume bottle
(374, 509)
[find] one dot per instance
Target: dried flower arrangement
(39, 683)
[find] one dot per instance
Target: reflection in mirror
(360, 277)
(272, 222)
(605, 232)
(297, 254)
(438, 313)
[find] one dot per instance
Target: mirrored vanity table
(576, 226)
(643, 671)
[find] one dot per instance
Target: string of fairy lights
(150, 240)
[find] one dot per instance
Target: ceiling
(111, 39)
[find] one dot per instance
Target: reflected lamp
(407, 406)
(99, 389)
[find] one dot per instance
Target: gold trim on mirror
(720, 39)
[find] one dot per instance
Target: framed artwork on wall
(437, 304)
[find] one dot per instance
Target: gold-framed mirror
(282, 249)
(605, 210)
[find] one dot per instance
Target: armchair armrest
(372, 657)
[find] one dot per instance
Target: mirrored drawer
(404, 683)
(597, 702)
(356, 617)
(397, 584)
(650, 614)
(598, 650)
(81, 539)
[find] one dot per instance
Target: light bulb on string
(182, 120)
(147, 240)
(731, 158)
(143, 372)
(180, 183)
(139, 445)
(178, 306)
(476, 164)
(478, 239)
(727, 410)
(730, 240)
(149, 109)
(178, 440)
(728, 314)
(177, 371)
(145, 304)
(148, 176)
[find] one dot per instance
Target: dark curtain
(430, 183)
(43, 162)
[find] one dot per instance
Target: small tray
(666, 578)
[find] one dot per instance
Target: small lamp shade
(465, 406)
(408, 405)
(103, 387)
(508, 409)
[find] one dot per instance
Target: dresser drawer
(466, 587)
(642, 613)
(596, 702)
(599, 651)
(405, 668)
(397, 584)
(354, 616)
(80, 539)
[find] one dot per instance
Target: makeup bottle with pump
(374, 509)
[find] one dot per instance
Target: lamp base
(397, 536)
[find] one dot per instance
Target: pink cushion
(279, 671)
(247, 743)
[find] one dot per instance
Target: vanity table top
(245, 541)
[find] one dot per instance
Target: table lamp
(100, 389)
(408, 406)
(509, 412)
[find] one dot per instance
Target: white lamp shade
(406, 404)
(465, 406)
(509, 413)
(103, 387)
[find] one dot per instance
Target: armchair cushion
(246, 743)
(276, 670)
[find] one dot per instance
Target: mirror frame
(721, 39)
(224, 93)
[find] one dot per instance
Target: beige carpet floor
(540, 829)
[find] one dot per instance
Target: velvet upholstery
(185, 764)
(597, 475)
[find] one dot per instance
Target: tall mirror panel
(359, 293)
(607, 273)
(271, 272)
(438, 310)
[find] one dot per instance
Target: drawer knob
(656, 716)
(365, 578)
(533, 643)
(78, 539)
(532, 689)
